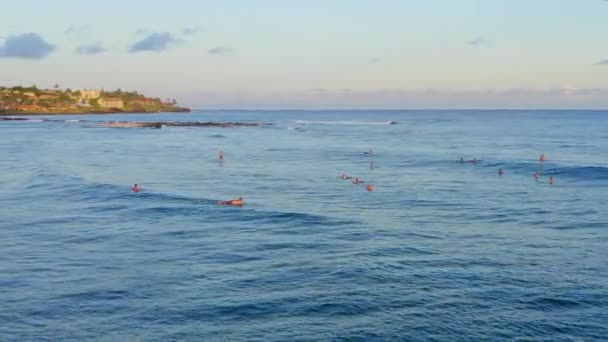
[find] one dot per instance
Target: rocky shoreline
(145, 124)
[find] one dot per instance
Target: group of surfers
(502, 172)
(235, 202)
(370, 187)
(357, 180)
(239, 202)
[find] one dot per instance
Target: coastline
(178, 110)
(148, 124)
(31, 100)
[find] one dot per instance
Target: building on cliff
(89, 94)
(111, 102)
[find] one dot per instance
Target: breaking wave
(345, 122)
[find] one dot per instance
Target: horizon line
(398, 110)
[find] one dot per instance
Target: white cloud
(480, 42)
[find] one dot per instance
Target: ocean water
(440, 251)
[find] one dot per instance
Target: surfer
(536, 175)
(542, 158)
(358, 181)
(345, 176)
(551, 180)
(136, 188)
(370, 188)
(221, 155)
(474, 161)
(239, 202)
(461, 161)
(500, 172)
(370, 152)
(371, 165)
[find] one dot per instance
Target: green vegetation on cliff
(32, 100)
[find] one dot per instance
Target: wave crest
(345, 122)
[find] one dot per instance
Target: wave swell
(345, 122)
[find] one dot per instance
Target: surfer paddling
(236, 202)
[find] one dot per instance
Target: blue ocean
(438, 251)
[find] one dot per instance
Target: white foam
(346, 122)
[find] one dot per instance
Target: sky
(316, 54)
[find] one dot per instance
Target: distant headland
(32, 100)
